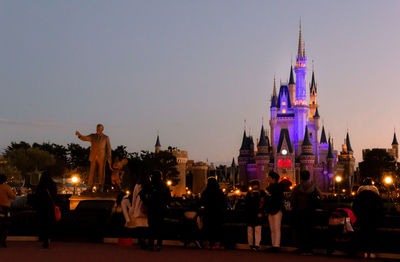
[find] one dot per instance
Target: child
(254, 204)
(117, 172)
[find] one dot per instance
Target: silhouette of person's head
(304, 175)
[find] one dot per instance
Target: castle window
(280, 163)
(288, 163)
(283, 103)
(284, 111)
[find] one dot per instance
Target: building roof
(395, 140)
(263, 140)
(323, 136)
(330, 154)
(284, 135)
(291, 79)
(273, 101)
(233, 162)
(306, 140)
(158, 144)
(348, 145)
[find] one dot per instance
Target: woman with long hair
(46, 194)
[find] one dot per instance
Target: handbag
(57, 210)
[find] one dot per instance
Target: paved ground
(75, 252)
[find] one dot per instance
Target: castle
(295, 141)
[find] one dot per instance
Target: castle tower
(292, 87)
(313, 96)
(300, 107)
(262, 159)
(307, 158)
(346, 164)
(182, 158)
(330, 167)
(243, 160)
(199, 170)
(395, 147)
(273, 112)
(157, 145)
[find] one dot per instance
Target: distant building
(295, 142)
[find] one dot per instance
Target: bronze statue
(100, 153)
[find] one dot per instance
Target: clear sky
(194, 70)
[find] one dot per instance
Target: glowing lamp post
(169, 183)
(338, 180)
(75, 181)
(388, 180)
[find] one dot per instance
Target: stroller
(191, 229)
(341, 231)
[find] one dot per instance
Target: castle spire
(291, 79)
(313, 86)
(244, 141)
(306, 140)
(274, 94)
(263, 139)
(394, 142)
(158, 144)
(348, 145)
(323, 136)
(301, 52)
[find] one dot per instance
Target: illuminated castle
(295, 141)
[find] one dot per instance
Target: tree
(60, 154)
(376, 162)
(29, 160)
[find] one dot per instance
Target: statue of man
(100, 153)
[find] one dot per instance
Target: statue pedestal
(75, 199)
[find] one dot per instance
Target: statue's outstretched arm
(81, 137)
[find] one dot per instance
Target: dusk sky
(194, 70)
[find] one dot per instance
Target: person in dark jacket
(254, 204)
(275, 208)
(304, 201)
(368, 209)
(45, 197)
(213, 205)
(156, 196)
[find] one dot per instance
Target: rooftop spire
(301, 49)
(263, 139)
(316, 115)
(158, 144)
(291, 79)
(274, 94)
(348, 145)
(323, 136)
(395, 140)
(244, 141)
(306, 141)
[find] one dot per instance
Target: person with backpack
(156, 196)
(275, 209)
(254, 204)
(305, 199)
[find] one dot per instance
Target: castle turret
(244, 159)
(274, 112)
(346, 164)
(313, 96)
(395, 147)
(307, 158)
(157, 145)
(301, 107)
(262, 159)
(292, 87)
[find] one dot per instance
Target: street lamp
(75, 181)
(338, 180)
(169, 183)
(388, 180)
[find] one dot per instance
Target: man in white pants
(274, 209)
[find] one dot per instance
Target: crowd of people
(145, 208)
